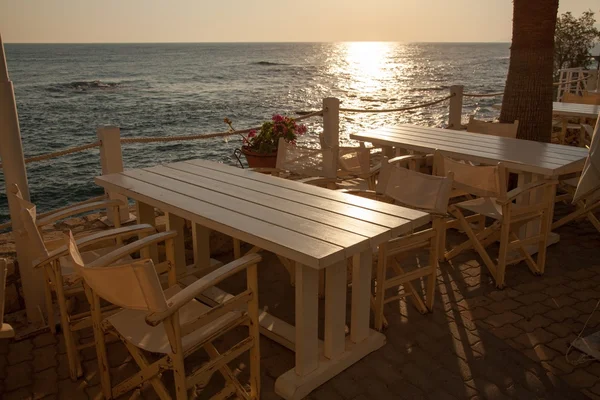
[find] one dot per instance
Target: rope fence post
(111, 160)
(331, 135)
(456, 103)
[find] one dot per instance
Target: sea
(64, 92)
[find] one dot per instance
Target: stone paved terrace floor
(479, 343)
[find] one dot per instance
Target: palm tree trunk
(528, 92)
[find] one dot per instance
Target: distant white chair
(170, 323)
(493, 128)
(6, 331)
(497, 204)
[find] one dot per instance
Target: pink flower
(277, 118)
(252, 133)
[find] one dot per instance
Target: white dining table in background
(318, 229)
(563, 109)
(529, 159)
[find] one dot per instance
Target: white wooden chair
(301, 163)
(585, 207)
(492, 128)
(494, 202)
(400, 185)
(6, 331)
(60, 279)
(170, 323)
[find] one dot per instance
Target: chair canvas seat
(487, 206)
(132, 326)
(571, 182)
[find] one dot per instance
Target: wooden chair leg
(171, 325)
(237, 248)
(99, 338)
(409, 287)
(72, 353)
(477, 245)
(49, 302)
(594, 220)
(254, 330)
(501, 267)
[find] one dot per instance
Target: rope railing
(359, 110)
(483, 94)
(570, 82)
(77, 149)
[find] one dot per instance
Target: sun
(368, 63)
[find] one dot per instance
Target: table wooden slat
(520, 155)
(309, 251)
(575, 110)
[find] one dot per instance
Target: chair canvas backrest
(492, 128)
(300, 160)
(355, 160)
(416, 190)
(134, 286)
(481, 181)
(28, 213)
(585, 99)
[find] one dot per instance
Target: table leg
(201, 244)
(145, 215)
(176, 223)
(307, 319)
(361, 295)
(335, 309)
(388, 151)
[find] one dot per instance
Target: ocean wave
(267, 63)
(83, 86)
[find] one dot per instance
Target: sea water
(65, 92)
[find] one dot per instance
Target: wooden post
(456, 103)
(111, 159)
(592, 82)
(13, 166)
(331, 135)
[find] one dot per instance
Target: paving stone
(531, 298)
(67, 389)
(504, 305)
(541, 352)
(558, 365)
(507, 331)
(559, 329)
(560, 301)
(18, 376)
(44, 357)
(45, 339)
(531, 310)
(530, 287)
(346, 387)
(559, 290)
(497, 320)
(19, 394)
(586, 306)
(580, 378)
(507, 293)
(595, 389)
(20, 351)
(582, 284)
(532, 339)
(476, 313)
(562, 314)
(44, 383)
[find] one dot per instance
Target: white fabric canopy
(588, 188)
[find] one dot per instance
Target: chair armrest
(131, 248)
(67, 212)
(95, 238)
(513, 194)
(190, 292)
(317, 180)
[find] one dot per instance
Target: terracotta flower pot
(260, 160)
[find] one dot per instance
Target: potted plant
(260, 148)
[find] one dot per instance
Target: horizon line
(276, 42)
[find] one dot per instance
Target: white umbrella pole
(13, 165)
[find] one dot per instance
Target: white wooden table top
(576, 110)
(517, 154)
(311, 225)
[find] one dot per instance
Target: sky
(136, 21)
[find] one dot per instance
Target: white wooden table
(570, 109)
(317, 228)
(531, 160)
(575, 110)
